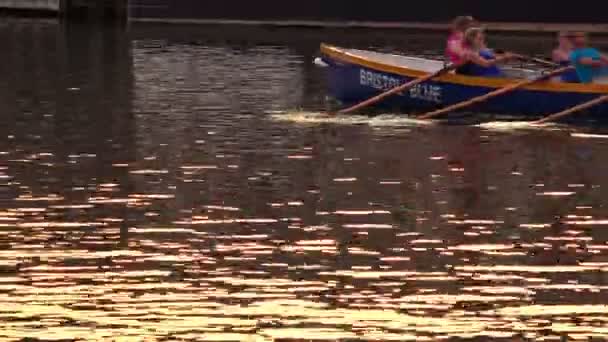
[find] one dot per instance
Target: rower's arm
(590, 62)
(560, 55)
(475, 58)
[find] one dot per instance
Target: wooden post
(64, 6)
(121, 10)
(97, 10)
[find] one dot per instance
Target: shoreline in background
(493, 26)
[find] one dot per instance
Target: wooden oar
(542, 61)
(493, 94)
(573, 110)
(398, 89)
(532, 59)
(537, 60)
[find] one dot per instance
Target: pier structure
(71, 9)
(382, 14)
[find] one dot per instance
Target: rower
(587, 60)
(561, 56)
(455, 48)
(478, 59)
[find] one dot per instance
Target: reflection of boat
(356, 75)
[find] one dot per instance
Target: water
(181, 183)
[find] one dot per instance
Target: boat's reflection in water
(153, 194)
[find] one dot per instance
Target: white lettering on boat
(378, 81)
(425, 92)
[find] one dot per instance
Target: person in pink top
(455, 47)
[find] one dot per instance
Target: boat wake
(383, 120)
(400, 120)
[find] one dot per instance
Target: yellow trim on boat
(558, 87)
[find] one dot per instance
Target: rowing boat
(356, 75)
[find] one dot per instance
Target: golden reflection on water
(204, 278)
(177, 289)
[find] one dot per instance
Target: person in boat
(561, 56)
(477, 59)
(455, 48)
(587, 61)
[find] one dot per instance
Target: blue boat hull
(352, 83)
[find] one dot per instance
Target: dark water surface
(175, 183)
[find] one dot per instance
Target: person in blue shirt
(587, 60)
(478, 59)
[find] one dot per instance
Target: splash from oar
(509, 126)
(384, 120)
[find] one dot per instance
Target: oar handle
(397, 89)
(492, 94)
